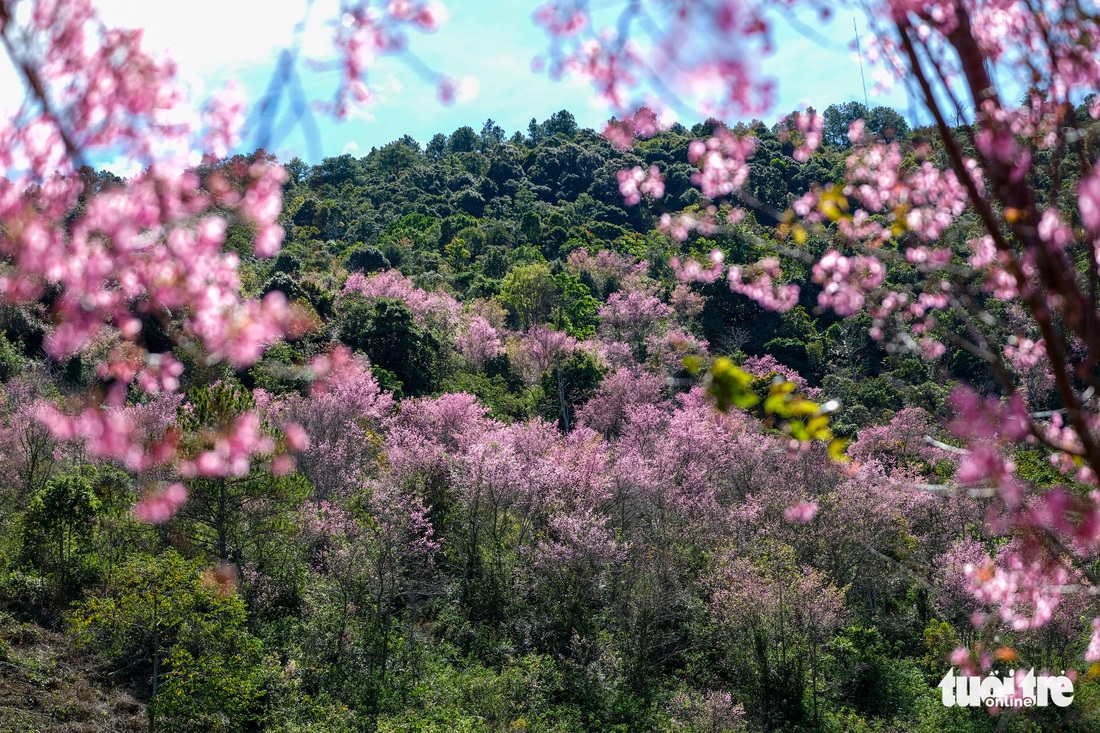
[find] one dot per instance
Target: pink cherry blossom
(801, 513)
(434, 309)
(760, 285)
(635, 182)
(478, 342)
(1088, 198)
(722, 160)
(1092, 654)
(158, 506)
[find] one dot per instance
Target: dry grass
(47, 686)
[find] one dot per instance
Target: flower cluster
(635, 182)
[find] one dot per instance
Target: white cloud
(205, 36)
(468, 89)
(391, 85)
(124, 167)
(11, 89)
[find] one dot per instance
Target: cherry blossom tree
(632, 317)
(338, 423)
(433, 310)
(772, 607)
(478, 342)
(617, 394)
(364, 564)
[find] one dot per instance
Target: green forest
(507, 488)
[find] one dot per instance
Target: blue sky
(492, 40)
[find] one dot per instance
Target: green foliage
(568, 386)
(792, 352)
(866, 675)
(878, 395)
(163, 619)
(506, 401)
(11, 357)
(280, 370)
(802, 419)
(233, 518)
(395, 158)
(1033, 465)
(286, 284)
(930, 715)
(413, 230)
(450, 227)
(530, 226)
(386, 331)
(229, 517)
(213, 406)
(58, 527)
(518, 697)
(457, 253)
(528, 293)
(576, 310)
(940, 640)
(367, 259)
(463, 140)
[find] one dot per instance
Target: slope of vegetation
(512, 506)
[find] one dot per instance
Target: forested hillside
(500, 484)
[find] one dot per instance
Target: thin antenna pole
(859, 53)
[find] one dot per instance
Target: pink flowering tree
(335, 429)
(766, 608)
(30, 451)
(607, 268)
(478, 342)
(713, 711)
(618, 393)
(364, 563)
(543, 350)
(768, 367)
(632, 317)
(434, 310)
(906, 442)
(676, 352)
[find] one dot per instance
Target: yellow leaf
(798, 431)
(778, 388)
(834, 204)
(817, 424)
(837, 447)
(730, 386)
(776, 405)
(693, 364)
(803, 407)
